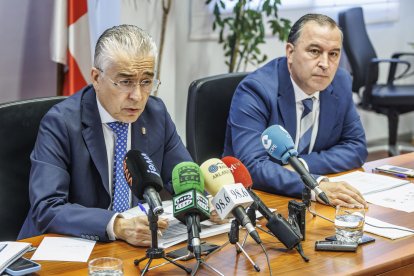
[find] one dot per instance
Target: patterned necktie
(306, 126)
(120, 187)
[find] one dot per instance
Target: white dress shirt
(299, 97)
(110, 140)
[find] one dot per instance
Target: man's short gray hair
(126, 40)
(321, 19)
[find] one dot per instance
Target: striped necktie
(120, 187)
(306, 126)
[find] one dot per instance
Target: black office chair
(389, 99)
(19, 124)
(208, 106)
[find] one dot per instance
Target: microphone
(190, 206)
(228, 199)
(280, 228)
(279, 144)
(143, 179)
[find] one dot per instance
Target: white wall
(25, 67)
(148, 16)
(207, 57)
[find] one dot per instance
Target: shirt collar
(105, 116)
(300, 95)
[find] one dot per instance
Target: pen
(399, 175)
(390, 173)
(145, 211)
(3, 246)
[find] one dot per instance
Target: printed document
(382, 190)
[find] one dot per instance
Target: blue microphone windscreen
(278, 143)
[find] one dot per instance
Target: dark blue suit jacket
(266, 97)
(69, 175)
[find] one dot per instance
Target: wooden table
(384, 256)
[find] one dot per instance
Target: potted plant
(242, 31)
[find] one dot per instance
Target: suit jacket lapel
(93, 135)
(327, 116)
(286, 99)
(139, 141)
(139, 135)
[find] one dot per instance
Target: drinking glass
(349, 223)
(105, 266)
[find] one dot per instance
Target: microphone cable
(267, 258)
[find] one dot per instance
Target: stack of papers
(382, 190)
(369, 183)
(177, 231)
(10, 252)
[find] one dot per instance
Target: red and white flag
(70, 43)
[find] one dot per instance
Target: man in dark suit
(311, 98)
(73, 185)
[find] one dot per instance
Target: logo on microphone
(183, 201)
(189, 173)
(213, 168)
(233, 167)
(128, 176)
(202, 202)
(267, 143)
(151, 167)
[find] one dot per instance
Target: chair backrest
(357, 45)
(19, 124)
(208, 106)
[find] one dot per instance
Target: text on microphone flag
(229, 197)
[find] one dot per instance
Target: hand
(341, 193)
(214, 217)
(136, 230)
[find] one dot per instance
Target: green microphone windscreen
(187, 176)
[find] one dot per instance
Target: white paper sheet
(368, 183)
(64, 249)
(400, 198)
(385, 232)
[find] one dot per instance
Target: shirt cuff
(110, 227)
(319, 180)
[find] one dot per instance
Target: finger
(357, 197)
(355, 190)
(145, 243)
(163, 224)
(142, 220)
(344, 188)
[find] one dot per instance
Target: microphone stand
(154, 252)
(234, 239)
(193, 243)
(306, 199)
(251, 212)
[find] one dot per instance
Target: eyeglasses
(127, 86)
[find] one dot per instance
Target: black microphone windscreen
(140, 173)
